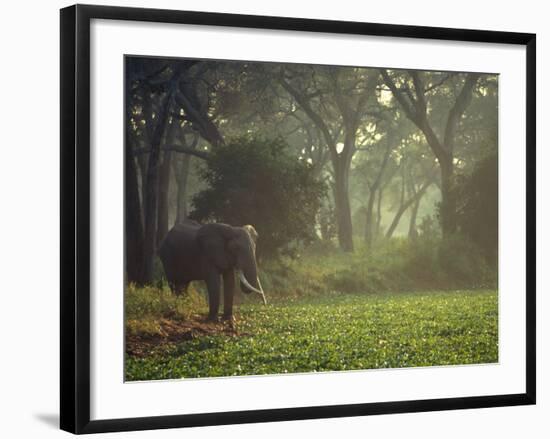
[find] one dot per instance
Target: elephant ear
(213, 240)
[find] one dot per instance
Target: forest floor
(328, 333)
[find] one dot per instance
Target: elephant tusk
(262, 290)
(250, 287)
(247, 284)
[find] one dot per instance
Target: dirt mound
(176, 331)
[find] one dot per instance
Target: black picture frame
(75, 217)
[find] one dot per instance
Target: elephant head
(233, 247)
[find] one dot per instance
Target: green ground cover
(331, 332)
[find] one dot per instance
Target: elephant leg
(228, 293)
(213, 285)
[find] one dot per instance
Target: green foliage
(334, 333)
(428, 262)
(327, 221)
(399, 264)
(429, 227)
(258, 181)
(463, 262)
(477, 205)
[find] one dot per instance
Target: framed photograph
(268, 218)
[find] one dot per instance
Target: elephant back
(180, 236)
(179, 247)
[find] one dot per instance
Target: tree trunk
(343, 208)
(448, 200)
(379, 211)
(164, 185)
(404, 205)
(413, 232)
(133, 223)
(182, 178)
(369, 224)
(142, 160)
(400, 210)
(395, 223)
(151, 194)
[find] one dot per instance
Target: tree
(150, 203)
(415, 195)
(159, 94)
(256, 181)
(414, 102)
(335, 100)
(132, 215)
(373, 166)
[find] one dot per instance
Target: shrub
(476, 196)
(393, 265)
(464, 263)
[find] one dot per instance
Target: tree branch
(439, 83)
(176, 148)
(407, 106)
(461, 103)
(420, 102)
(316, 119)
(187, 150)
(204, 125)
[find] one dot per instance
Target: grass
(145, 309)
(330, 332)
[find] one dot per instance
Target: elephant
(192, 251)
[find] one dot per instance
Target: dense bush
(257, 181)
(463, 262)
(394, 265)
(427, 263)
(477, 206)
